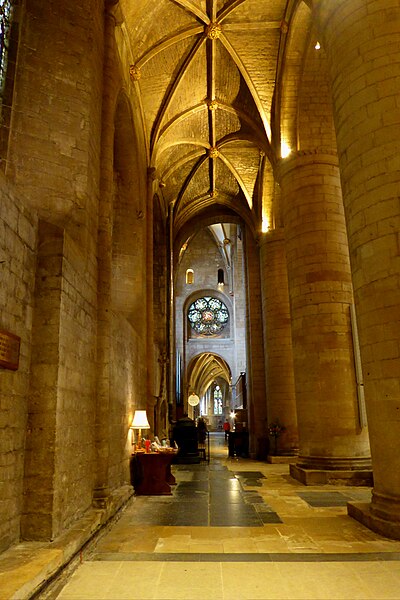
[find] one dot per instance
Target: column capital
(299, 159)
(273, 235)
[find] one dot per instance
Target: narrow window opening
(190, 276)
(9, 33)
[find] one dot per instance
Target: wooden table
(151, 473)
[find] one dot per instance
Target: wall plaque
(9, 350)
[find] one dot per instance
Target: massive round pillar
(361, 39)
(281, 401)
(332, 443)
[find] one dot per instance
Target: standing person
(201, 430)
(227, 428)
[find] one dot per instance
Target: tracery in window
(217, 400)
(208, 315)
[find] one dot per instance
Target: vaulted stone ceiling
(210, 78)
(206, 368)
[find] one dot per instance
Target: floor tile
(239, 529)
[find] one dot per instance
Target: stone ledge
(338, 477)
(360, 511)
(276, 459)
(26, 567)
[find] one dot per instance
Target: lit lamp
(193, 399)
(140, 422)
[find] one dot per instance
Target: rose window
(208, 316)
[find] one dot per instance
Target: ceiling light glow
(265, 224)
(285, 150)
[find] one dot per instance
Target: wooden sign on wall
(9, 350)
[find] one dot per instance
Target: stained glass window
(208, 315)
(217, 400)
(5, 29)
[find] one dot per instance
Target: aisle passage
(239, 529)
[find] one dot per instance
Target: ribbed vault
(218, 83)
(204, 369)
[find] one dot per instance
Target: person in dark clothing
(201, 430)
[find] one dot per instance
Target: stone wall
(17, 274)
(204, 257)
(128, 384)
(49, 440)
(59, 460)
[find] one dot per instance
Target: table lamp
(140, 422)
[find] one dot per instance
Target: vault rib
(187, 181)
(181, 162)
(249, 82)
(227, 10)
(193, 9)
(172, 91)
(242, 116)
(238, 179)
(167, 43)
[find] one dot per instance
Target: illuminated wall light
(317, 46)
(265, 224)
(285, 150)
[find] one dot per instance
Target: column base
(101, 498)
(276, 459)
(309, 476)
(361, 511)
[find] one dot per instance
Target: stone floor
(239, 529)
(233, 529)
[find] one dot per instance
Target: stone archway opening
(209, 377)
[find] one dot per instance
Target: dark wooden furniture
(185, 435)
(151, 473)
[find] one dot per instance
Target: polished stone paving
(239, 529)
(207, 496)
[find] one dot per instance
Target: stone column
(102, 433)
(281, 399)
(332, 444)
(151, 395)
(257, 402)
(361, 40)
(40, 519)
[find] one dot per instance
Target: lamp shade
(193, 399)
(140, 420)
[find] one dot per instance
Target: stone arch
(204, 372)
(128, 245)
(205, 367)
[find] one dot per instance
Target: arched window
(217, 400)
(6, 10)
(190, 276)
(9, 31)
(208, 315)
(220, 280)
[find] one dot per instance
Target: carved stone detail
(135, 73)
(213, 104)
(213, 30)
